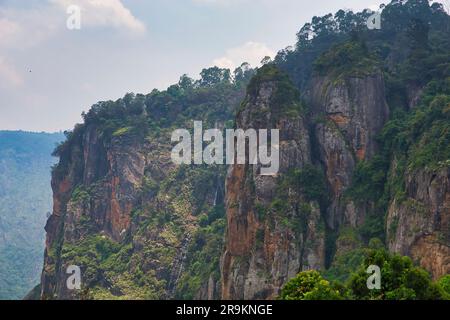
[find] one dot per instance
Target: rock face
(142, 227)
(266, 246)
(419, 225)
(136, 223)
(351, 111)
(100, 190)
(148, 229)
(113, 175)
(263, 251)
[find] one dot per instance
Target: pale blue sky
(49, 75)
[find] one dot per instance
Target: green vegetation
(349, 59)
(400, 280)
(212, 98)
(369, 179)
(80, 194)
(107, 270)
(294, 194)
(286, 97)
(420, 138)
(310, 181)
(203, 255)
(344, 264)
(411, 141)
(309, 285)
(416, 136)
(444, 283)
(178, 225)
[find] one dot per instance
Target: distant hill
(25, 199)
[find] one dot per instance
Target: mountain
(363, 119)
(25, 199)
(127, 215)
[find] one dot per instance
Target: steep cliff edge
(352, 111)
(363, 120)
(95, 194)
(274, 227)
(134, 222)
(418, 214)
(345, 115)
(419, 226)
(377, 135)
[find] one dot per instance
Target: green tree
(400, 279)
(185, 82)
(243, 73)
(266, 60)
(309, 285)
(214, 75)
(444, 283)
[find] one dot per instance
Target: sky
(49, 74)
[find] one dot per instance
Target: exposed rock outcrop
(419, 224)
(351, 112)
(127, 215)
(265, 246)
(94, 192)
(155, 230)
(261, 254)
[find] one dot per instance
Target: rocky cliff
(126, 214)
(95, 194)
(274, 229)
(419, 223)
(352, 111)
(371, 174)
(363, 122)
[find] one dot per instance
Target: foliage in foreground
(400, 280)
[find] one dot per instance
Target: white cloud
(251, 52)
(21, 28)
(9, 77)
(224, 62)
(217, 2)
(8, 29)
(110, 13)
(24, 28)
(374, 7)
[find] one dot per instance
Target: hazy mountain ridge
(25, 199)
